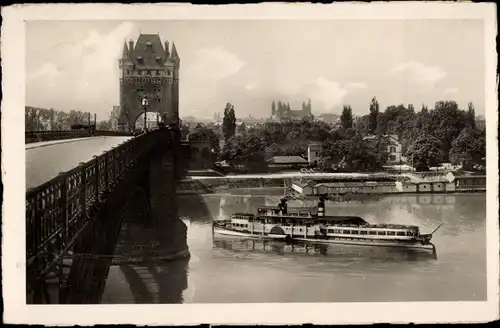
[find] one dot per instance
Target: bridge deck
(45, 160)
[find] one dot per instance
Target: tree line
(428, 137)
(44, 119)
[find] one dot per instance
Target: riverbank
(335, 184)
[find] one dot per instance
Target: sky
(249, 63)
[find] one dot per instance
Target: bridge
(73, 220)
(109, 180)
(87, 189)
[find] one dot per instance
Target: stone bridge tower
(149, 69)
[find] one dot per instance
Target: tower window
(168, 72)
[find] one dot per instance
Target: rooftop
(148, 51)
(287, 160)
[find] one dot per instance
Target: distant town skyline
(250, 63)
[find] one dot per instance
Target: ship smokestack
(321, 206)
(282, 205)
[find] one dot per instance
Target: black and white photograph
(250, 164)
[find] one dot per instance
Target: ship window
(347, 232)
(355, 232)
(391, 233)
(364, 232)
(381, 233)
(372, 233)
(401, 233)
(409, 233)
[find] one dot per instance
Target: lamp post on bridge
(145, 106)
(157, 119)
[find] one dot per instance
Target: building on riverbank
(394, 147)
(361, 186)
(278, 163)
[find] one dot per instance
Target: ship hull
(337, 241)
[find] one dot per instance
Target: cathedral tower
(149, 70)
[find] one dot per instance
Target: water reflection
(337, 273)
(339, 252)
(156, 278)
(148, 283)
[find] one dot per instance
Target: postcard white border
(13, 154)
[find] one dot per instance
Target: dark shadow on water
(335, 252)
(157, 282)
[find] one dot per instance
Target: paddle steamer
(312, 225)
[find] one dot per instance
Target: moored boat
(312, 225)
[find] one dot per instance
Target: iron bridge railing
(39, 136)
(58, 210)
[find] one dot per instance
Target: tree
(468, 148)
(104, 125)
(203, 133)
(229, 122)
(346, 117)
(32, 118)
(471, 115)
(374, 112)
(425, 151)
(446, 122)
(273, 108)
(242, 128)
(362, 125)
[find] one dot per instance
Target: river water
(231, 270)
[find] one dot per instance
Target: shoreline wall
(203, 186)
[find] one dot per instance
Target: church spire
(125, 49)
(174, 52)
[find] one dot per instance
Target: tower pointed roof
(125, 50)
(174, 51)
(148, 51)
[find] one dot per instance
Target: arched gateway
(149, 71)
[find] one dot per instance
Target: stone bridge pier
(136, 223)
